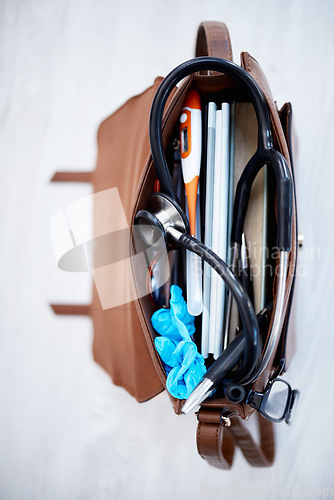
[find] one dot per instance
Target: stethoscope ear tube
(284, 202)
(284, 210)
(265, 139)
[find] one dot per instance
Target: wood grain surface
(66, 432)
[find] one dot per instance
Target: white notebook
(210, 164)
(219, 227)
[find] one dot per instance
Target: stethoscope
(165, 217)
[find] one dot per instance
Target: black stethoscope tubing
(163, 222)
(265, 154)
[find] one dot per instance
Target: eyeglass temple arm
(255, 399)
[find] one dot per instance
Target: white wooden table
(65, 431)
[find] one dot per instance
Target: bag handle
(213, 39)
(216, 442)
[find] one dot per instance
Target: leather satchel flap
(119, 344)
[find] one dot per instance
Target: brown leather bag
(123, 335)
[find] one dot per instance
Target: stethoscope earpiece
(235, 393)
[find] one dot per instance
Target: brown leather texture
(213, 39)
(119, 344)
(123, 336)
(217, 439)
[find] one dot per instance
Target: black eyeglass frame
(258, 400)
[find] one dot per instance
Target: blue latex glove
(184, 366)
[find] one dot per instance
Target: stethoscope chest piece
(164, 218)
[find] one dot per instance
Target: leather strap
(71, 309)
(216, 442)
(213, 39)
(258, 455)
(72, 177)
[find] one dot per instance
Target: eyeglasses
(276, 402)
